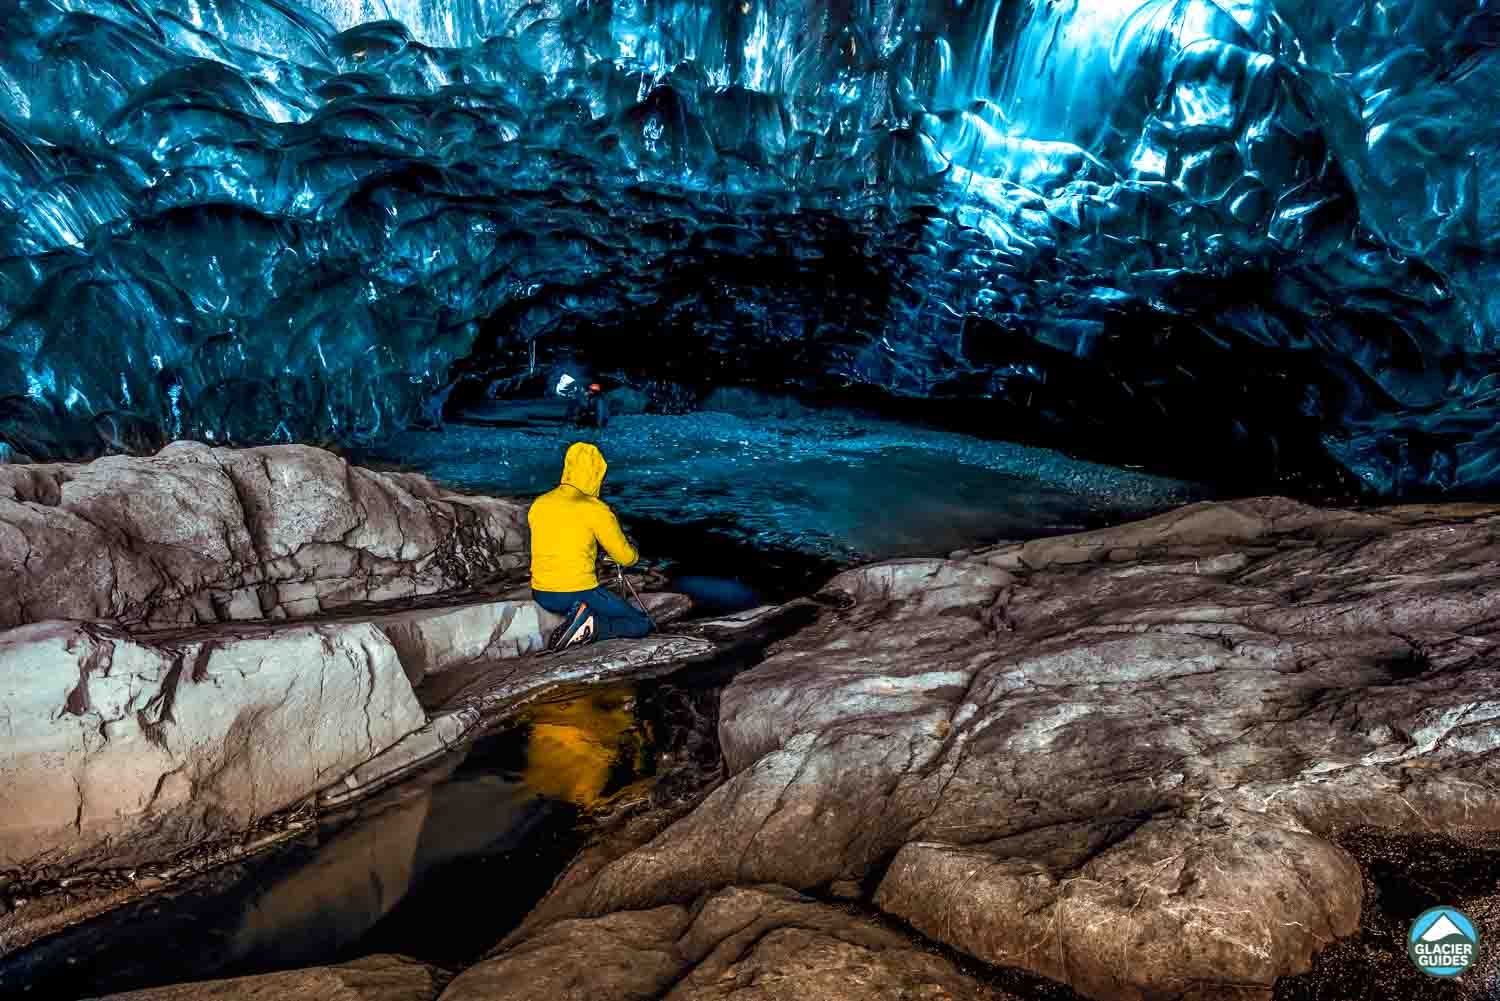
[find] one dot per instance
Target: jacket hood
(584, 468)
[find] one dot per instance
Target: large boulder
(197, 534)
(1121, 760)
(120, 748)
(373, 978)
(761, 943)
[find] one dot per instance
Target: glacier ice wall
(1264, 224)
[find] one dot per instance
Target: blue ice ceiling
(1265, 225)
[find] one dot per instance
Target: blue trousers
(613, 616)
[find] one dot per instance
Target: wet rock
(373, 978)
(443, 734)
(471, 664)
(492, 687)
(1118, 760)
(765, 943)
(122, 748)
(665, 606)
(740, 627)
(196, 534)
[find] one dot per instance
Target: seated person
(568, 525)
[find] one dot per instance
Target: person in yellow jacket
(568, 525)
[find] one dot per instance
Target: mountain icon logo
(1443, 942)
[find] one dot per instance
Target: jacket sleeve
(607, 531)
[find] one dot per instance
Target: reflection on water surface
(439, 868)
(582, 746)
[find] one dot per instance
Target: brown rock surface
(763, 943)
(196, 534)
(1119, 761)
(373, 978)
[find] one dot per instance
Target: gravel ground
(1404, 875)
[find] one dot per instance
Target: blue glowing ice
(249, 220)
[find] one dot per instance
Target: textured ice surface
(1268, 221)
(841, 489)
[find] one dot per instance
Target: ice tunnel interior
(1235, 237)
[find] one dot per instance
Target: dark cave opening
(1173, 393)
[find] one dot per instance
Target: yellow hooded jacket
(570, 523)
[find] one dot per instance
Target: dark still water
(440, 868)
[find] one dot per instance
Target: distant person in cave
(568, 525)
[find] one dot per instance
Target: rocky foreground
(1119, 760)
(1126, 761)
(197, 643)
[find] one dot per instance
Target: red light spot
(594, 387)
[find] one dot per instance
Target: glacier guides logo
(1442, 942)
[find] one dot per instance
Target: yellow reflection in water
(575, 742)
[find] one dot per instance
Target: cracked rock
(1119, 760)
(120, 748)
(763, 943)
(196, 534)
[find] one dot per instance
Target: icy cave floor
(824, 490)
